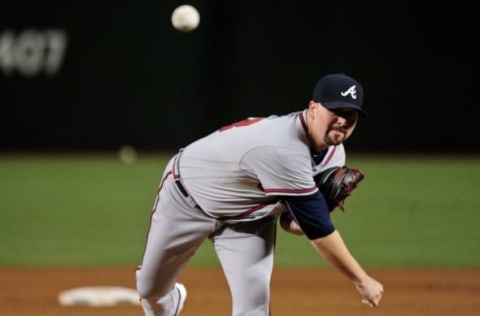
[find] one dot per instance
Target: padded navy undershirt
(312, 214)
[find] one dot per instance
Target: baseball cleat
(182, 294)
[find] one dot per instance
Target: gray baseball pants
(178, 228)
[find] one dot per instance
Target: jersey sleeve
(281, 171)
(312, 214)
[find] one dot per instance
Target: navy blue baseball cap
(339, 91)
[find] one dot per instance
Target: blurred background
(96, 95)
(90, 75)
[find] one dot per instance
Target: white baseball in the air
(185, 18)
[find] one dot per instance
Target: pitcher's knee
(252, 302)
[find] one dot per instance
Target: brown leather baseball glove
(337, 183)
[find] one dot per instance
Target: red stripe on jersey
(329, 156)
(302, 121)
(253, 209)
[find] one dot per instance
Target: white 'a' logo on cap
(352, 91)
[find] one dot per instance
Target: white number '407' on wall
(31, 52)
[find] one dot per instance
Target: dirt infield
(295, 292)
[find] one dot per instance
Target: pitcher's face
(328, 127)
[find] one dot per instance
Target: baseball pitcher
(231, 187)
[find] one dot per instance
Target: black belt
(178, 182)
(182, 188)
(186, 194)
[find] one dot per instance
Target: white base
(99, 296)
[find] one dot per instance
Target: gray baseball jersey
(238, 172)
